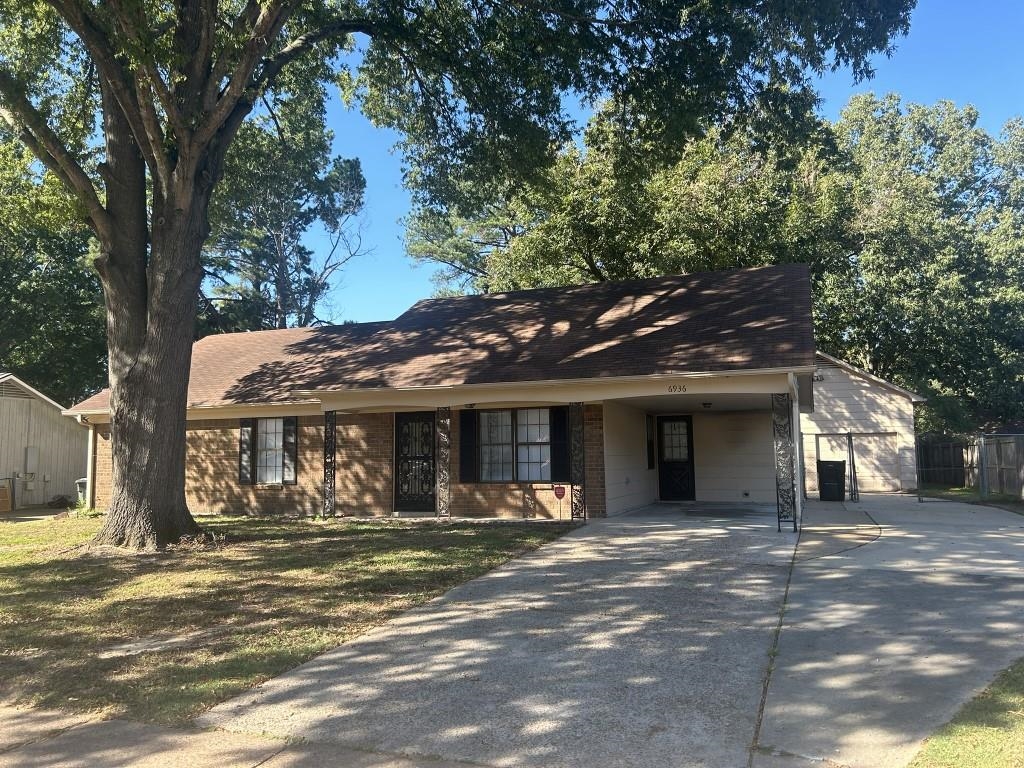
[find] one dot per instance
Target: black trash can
(832, 480)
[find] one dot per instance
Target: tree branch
(265, 29)
(303, 43)
(33, 129)
(80, 17)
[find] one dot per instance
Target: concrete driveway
(645, 640)
(637, 641)
(898, 612)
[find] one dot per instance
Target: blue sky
(969, 52)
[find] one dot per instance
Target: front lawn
(987, 733)
(274, 594)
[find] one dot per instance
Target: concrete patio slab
(636, 641)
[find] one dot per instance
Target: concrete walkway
(643, 640)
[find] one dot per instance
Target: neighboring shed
(878, 413)
(42, 453)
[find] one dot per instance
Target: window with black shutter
(514, 445)
(468, 458)
(246, 441)
(268, 451)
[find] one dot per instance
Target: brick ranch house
(588, 400)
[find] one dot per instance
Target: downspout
(90, 470)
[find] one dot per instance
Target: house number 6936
(676, 388)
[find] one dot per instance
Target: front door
(675, 458)
(414, 462)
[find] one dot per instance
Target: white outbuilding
(42, 452)
(877, 416)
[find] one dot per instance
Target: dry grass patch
(222, 618)
(987, 733)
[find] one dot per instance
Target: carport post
(443, 423)
(330, 460)
(785, 460)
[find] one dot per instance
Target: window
(270, 451)
(496, 446)
(533, 445)
(524, 434)
(675, 441)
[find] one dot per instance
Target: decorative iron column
(577, 462)
(330, 460)
(785, 457)
(444, 461)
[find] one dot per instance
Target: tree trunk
(151, 276)
(148, 400)
(151, 270)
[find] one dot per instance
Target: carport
(719, 440)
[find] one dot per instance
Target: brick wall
(211, 472)
(365, 482)
(532, 499)
(102, 467)
(593, 451)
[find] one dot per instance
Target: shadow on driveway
(897, 614)
(636, 641)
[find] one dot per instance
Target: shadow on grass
(276, 593)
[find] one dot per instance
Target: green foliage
(280, 181)
(910, 217)
(476, 91)
(51, 306)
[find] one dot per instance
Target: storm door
(675, 458)
(414, 462)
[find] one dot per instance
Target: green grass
(973, 496)
(274, 594)
(987, 733)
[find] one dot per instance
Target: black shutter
(650, 442)
(469, 452)
(291, 450)
(559, 421)
(246, 446)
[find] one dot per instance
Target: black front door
(675, 458)
(414, 462)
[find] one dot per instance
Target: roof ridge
(597, 283)
(306, 328)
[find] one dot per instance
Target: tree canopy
(910, 217)
(280, 181)
(51, 305)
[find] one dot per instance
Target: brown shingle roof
(713, 321)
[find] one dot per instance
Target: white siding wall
(882, 422)
(733, 454)
(629, 484)
(62, 445)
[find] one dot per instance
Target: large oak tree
(133, 105)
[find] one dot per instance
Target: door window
(675, 441)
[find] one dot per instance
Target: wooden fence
(993, 464)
